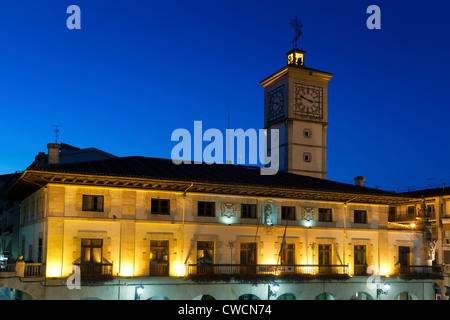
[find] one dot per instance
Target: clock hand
(306, 99)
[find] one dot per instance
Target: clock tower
(295, 103)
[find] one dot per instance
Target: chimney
(40, 160)
(359, 181)
(53, 153)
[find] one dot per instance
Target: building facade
(177, 237)
(434, 204)
(135, 227)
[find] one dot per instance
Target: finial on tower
(296, 57)
(297, 26)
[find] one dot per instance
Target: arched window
(158, 298)
(287, 296)
(204, 297)
(406, 296)
(361, 296)
(248, 296)
(325, 296)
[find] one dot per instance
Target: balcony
(239, 269)
(360, 269)
(95, 268)
(22, 269)
(7, 268)
(34, 270)
(419, 272)
(159, 269)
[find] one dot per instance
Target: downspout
(345, 231)
(62, 250)
(182, 226)
(45, 236)
(345, 228)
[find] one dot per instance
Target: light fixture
(138, 293)
(276, 287)
(385, 290)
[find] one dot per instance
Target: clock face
(308, 100)
(276, 103)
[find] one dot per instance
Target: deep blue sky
(137, 70)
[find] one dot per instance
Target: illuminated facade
(434, 206)
(159, 231)
(180, 231)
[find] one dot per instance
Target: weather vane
(297, 26)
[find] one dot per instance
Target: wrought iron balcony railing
(159, 269)
(360, 269)
(234, 269)
(95, 268)
(410, 270)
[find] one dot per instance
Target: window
(392, 213)
(248, 258)
(92, 203)
(324, 254)
(307, 133)
(160, 206)
(431, 209)
(404, 256)
(91, 251)
(25, 214)
(30, 252)
(39, 259)
(325, 296)
(360, 216)
(248, 211)
(446, 257)
(91, 257)
(248, 253)
(205, 252)
(22, 248)
(206, 209)
(159, 258)
(287, 213)
(288, 255)
(307, 157)
(359, 260)
(248, 296)
(325, 215)
(410, 213)
(286, 296)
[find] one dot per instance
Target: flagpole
(283, 243)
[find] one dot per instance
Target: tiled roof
(156, 168)
(428, 192)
